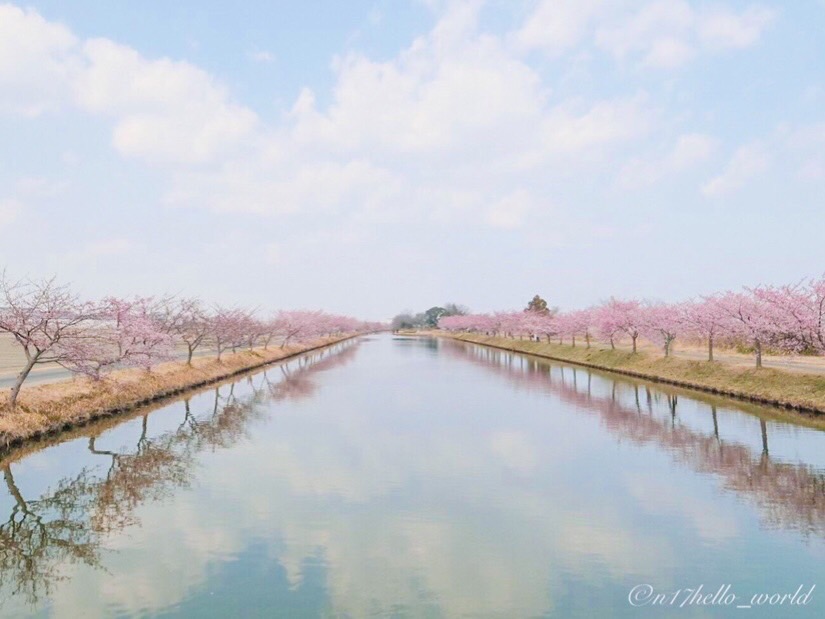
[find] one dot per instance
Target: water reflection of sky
(421, 478)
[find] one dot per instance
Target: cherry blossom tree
(227, 329)
(662, 323)
(140, 332)
(188, 321)
(252, 330)
(705, 319)
(566, 327)
(46, 320)
(125, 333)
(546, 325)
(296, 325)
(143, 340)
(796, 315)
(270, 331)
(533, 322)
(606, 323)
(787, 318)
(50, 324)
(575, 323)
(587, 321)
(748, 317)
(618, 316)
(815, 309)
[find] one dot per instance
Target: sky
(368, 157)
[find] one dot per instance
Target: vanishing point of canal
(413, 477)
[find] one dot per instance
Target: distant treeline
(428, 319)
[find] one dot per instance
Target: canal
(414, 477)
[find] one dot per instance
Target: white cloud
(468, 96)
(567, 130)
(746, 163)
(165, 111)
(396, 133)
(405, 137)
(35, 62)
(692, 148)
(254, 187)
(557, 25)
(446, 89)
(660, 34)
(689, 150)
(668, 52)
(723, 28)
(640, 31)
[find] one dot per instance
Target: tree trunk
(758, 348)
(189, 356)
(764, 427)
(710, 348)
(612, 344)
(634, 344)
(14, 491)
(18, 383)
(715, 422)
(587, 339)
(574, 341)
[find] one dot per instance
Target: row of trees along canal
(49, 323)
(783, 319)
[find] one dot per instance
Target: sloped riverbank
(800, 392)
(51, 408)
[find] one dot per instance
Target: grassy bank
(802, 392)
(47, 409)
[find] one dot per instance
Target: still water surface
(404, 477)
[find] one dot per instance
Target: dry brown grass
(50, 408)
(792, 390)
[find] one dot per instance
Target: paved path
(790, 363)
(52, 373)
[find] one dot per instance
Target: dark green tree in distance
(428, 319)
(432, 315)
(454, 309)
(406, 320)
(537, 305)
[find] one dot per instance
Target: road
(789, 363)
(11, 360)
